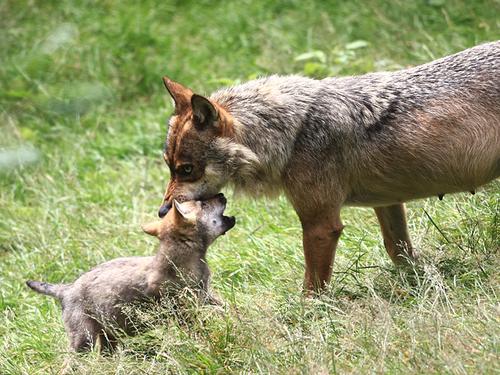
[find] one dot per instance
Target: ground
(81, 93)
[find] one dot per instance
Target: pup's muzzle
(221, 198)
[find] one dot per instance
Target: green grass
(81, 83)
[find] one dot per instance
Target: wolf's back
(476, 69)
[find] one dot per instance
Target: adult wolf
(374, 140)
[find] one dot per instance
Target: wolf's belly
(369, 199)
(399, 189)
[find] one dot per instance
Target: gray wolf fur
(93, 307)
(374, 140)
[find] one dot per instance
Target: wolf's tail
(53, 290)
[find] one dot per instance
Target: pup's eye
(185, 169)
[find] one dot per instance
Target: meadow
(81, 95)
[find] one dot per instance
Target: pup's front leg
(321, 232)
(392, 221)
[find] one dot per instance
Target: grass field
(81, 94)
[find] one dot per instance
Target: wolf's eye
(185, 169)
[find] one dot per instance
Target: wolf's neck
(269, 114)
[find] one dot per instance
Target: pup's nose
(164, 209)
(221, 198)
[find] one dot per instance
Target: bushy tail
(54, 290)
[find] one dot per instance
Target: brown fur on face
(95, 305)
(193, 129)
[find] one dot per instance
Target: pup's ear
(180, 94)
(152, 229)
(181, 213)
(204, 112)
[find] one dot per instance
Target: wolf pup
(97, 297)
(374, 140)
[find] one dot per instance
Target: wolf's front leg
(321, 232)
(392, 221)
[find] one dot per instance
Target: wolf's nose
(164, 209)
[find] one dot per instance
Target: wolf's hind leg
(397, 242)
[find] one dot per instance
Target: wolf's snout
(164, 209)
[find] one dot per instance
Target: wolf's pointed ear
(180, 94)
(152, 229)
(182, 213)
(204, 112)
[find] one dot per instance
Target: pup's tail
(53, 290)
